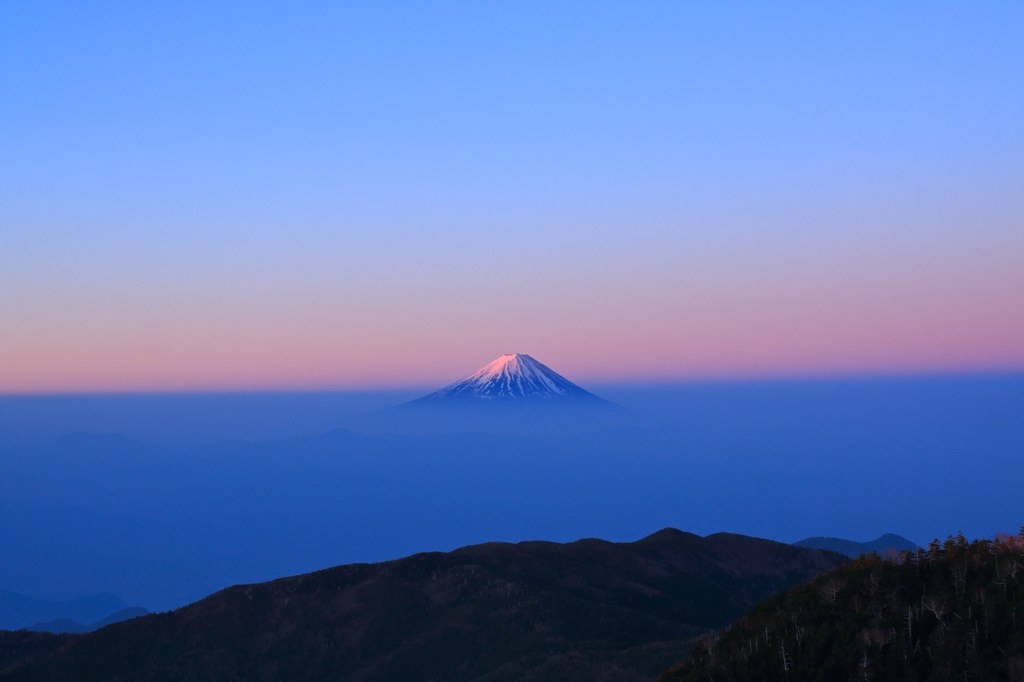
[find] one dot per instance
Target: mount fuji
(514, 394)
(512, 377)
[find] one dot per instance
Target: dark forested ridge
(952, 612)
(21, 646)
(590, 609)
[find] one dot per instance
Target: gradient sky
(341, 195)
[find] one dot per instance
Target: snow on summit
(513, 375)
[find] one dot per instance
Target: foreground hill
(953, 612)
(890, 543)
(527, 611)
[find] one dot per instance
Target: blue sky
(193, 187)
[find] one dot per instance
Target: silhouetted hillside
(527, 611)
(890, 543)
(21, 646)
(948, 613)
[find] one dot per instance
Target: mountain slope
(948, 613)
(528, 611)
(888, 543)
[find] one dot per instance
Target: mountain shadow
(529, 611)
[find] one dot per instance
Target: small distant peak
(671, 536)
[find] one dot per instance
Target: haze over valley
(161, 522)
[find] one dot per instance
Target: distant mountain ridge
(68, 626)
(513, 376)
(21, 611)
(495, 612)
(881, 545)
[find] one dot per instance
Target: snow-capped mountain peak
(512, 376)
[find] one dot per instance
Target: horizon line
(801, 378)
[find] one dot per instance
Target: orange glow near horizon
(711, 314)
(687, 346)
